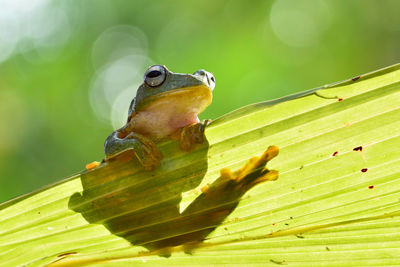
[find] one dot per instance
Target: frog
(145, 209)
(166, 106)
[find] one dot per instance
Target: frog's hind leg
(218, 200)
(232, 185)
(255, 171)
(144, 148)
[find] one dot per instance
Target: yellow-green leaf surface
(336, 201)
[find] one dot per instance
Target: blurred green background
(68, 69)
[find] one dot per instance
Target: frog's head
(193, 91)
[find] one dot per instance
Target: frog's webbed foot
(144, 149)
(252, 173)
(192, 135)
(147, 152)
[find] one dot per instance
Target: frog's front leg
(144, 148)
(192, 134)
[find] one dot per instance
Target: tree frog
(166, 106)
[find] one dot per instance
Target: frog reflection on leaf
(143, 208)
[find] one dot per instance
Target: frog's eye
(155, 75)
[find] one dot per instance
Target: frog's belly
(165, 115)
(160, 125)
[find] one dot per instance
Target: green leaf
(336, 201)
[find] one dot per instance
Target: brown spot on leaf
(340, 99)
(278, 262)
(371, 187)
(359, 148)
(355, 78)
(364, 170)
(328, 249)
(335, 153)
(38, 212)
(66, 254)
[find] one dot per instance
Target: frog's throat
(197, 97)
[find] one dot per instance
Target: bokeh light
(27, 25)
(119, 56)
(300, 22)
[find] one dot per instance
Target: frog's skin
(166, 106)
